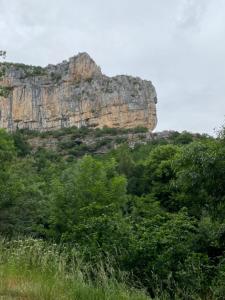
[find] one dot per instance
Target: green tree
(87, 189)
(21, 199)
(161, 243)
(159, 173)
(7, 147)
(200, 179)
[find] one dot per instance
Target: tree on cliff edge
(2, 54)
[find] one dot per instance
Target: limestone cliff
(73, 93)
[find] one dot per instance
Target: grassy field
(32, 270)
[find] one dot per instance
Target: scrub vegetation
(135, 223)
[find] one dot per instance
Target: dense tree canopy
(157, 210)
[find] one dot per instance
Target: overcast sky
(177, 44)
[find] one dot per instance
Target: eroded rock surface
(73, 93)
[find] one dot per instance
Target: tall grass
(32, 269)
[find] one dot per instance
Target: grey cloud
(191, 12)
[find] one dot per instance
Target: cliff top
(80, 66)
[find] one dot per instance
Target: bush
(5, 91)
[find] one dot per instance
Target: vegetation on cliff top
(154, 212)
(29, 70)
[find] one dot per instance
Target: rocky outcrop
(72, 142)
(73, 93)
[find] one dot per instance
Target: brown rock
(73, 93)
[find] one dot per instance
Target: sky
(178, 44)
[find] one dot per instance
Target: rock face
(73, 93)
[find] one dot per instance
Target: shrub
(5, 91)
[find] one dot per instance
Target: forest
(146, 222)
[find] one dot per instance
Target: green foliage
(7, 147)
(159, 250)
(117, 131)
(221, 133)
(29, 70)
(21, 203)
(87, 189)
(156, 211)
(182, 138)
(159, 173)
(2, 72)
(22, 146)
(200, 178)
(5, 91)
